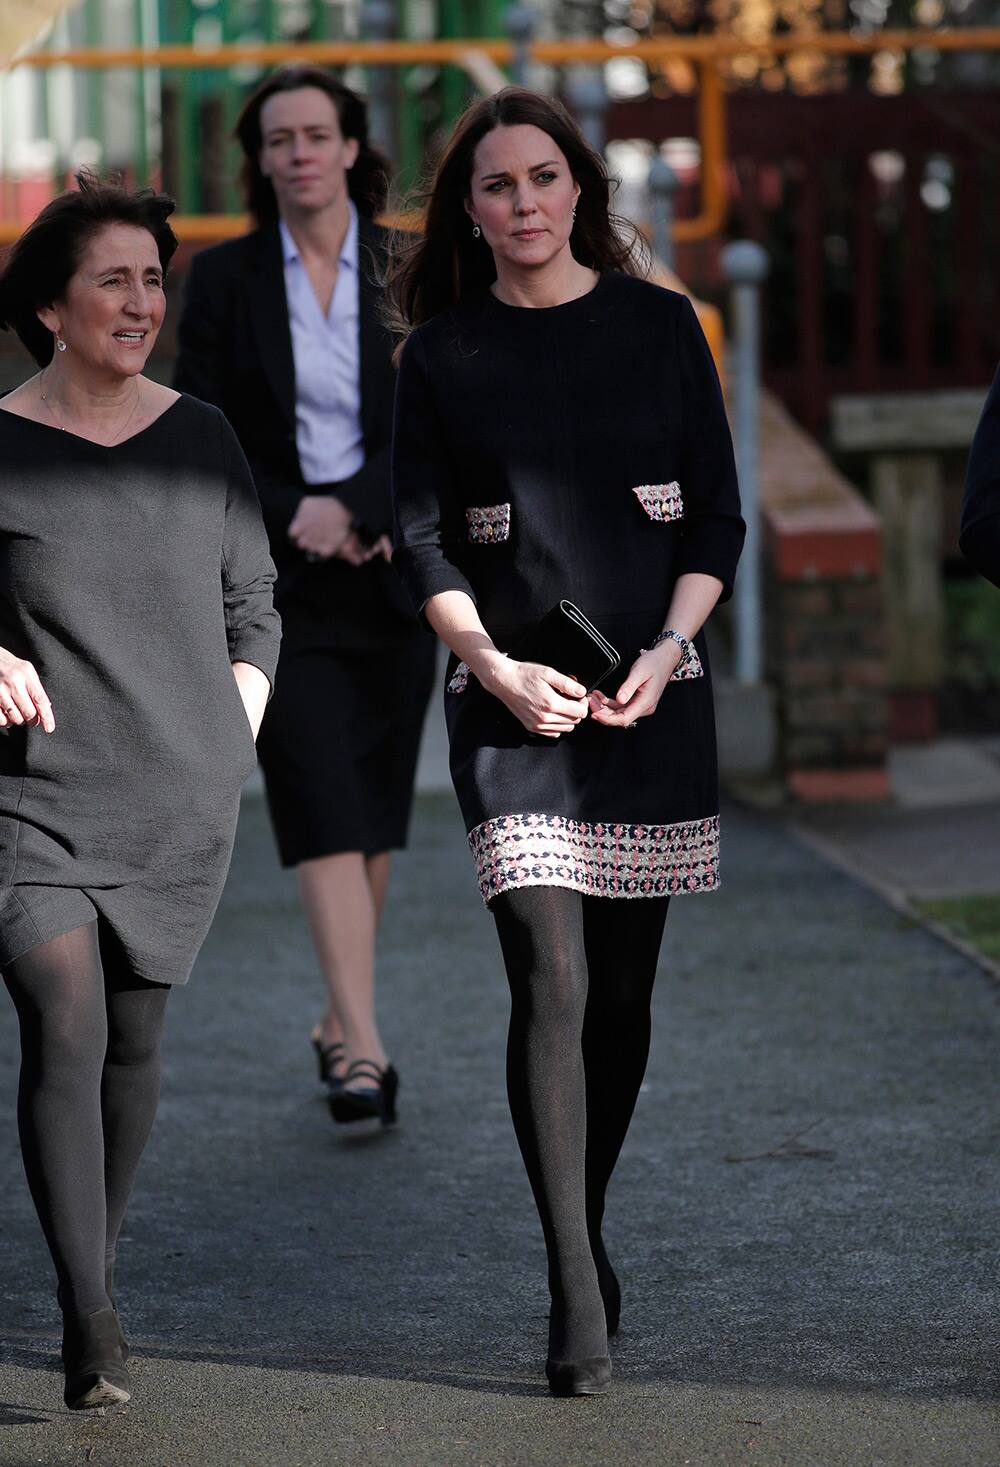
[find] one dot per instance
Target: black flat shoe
(374, 1102)
(92, 1360)
(589, 1377)
(329, 1058)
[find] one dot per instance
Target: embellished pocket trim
(689, 666)
(661, 501)
(489, 524)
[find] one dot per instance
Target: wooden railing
(881, 219)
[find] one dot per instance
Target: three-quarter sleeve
(428, 520)
(253, 627)
(979, 537)
(713, 528)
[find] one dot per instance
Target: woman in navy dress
(560, 432)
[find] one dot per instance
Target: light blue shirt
(327, 355)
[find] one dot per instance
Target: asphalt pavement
(805, 1217)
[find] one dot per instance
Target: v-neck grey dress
(132, 577)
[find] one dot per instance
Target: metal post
(662, 183)
(745, 265)
(588, 100)
(378, 22)
(520, 26)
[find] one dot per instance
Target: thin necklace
(62, 426)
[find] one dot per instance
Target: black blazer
(236, 352)
(980, 533)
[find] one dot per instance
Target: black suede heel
(92, 1360)
(123, 1344)
(610, 1288)
(590, 1377)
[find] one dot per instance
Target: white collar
(348, 250)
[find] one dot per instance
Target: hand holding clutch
(532, 683)
(566, 640)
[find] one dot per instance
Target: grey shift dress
(132, 577)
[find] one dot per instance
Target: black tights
(90, 1080)
(581, 973)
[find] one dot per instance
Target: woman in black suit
(281, 329)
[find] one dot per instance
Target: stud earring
(60, 344)
(573, 214)
(476, 231)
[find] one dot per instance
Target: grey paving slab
(919, 852)
(945, 772)
(299, 1297)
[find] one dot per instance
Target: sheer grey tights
(581, 973)
(89, 1084)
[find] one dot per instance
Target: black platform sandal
(92, 1359)
(375, 1102)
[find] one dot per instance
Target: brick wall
(824, 619)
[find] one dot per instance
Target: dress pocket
(661, 501)
(489, 524)
(689, 666)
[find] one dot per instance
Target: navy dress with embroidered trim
(132, 576)
(579, 451)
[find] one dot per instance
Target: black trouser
(89, 1084)
(581, 972)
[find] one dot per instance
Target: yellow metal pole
(712, 136)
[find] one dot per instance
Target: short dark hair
(367, 180)
(45, 258)
(431, 272)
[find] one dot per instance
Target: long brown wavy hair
(445, 264)
(367, 180)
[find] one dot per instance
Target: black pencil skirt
(338, 746)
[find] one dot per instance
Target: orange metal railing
(706, 52)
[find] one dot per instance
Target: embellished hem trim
(489, 524)
(597, 859)
(661, 501)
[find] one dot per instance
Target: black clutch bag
(565, 640)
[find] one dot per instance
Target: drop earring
(476, 231)
(60, 344)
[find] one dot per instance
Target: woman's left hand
(640, 693)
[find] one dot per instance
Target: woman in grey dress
(137, 646)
